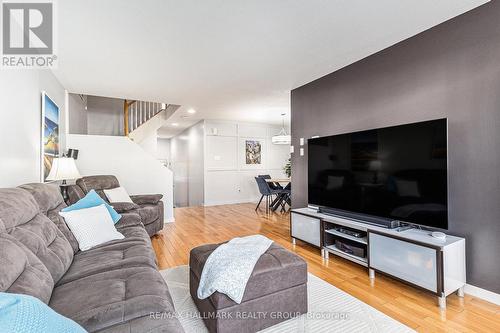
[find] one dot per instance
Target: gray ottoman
(276, 292)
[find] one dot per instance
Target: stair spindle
(134, 112)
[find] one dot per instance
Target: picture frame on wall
(51, 119)
(252, 153)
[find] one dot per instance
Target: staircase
(136, 113)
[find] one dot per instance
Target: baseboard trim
(232, 202)
(482, 294)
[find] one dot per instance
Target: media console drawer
(305, 228)
(410, 262)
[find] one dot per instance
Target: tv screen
(395, 173)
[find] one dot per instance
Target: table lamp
(63, 168)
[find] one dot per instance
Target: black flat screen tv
(397, 173)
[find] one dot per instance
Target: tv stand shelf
(412, 256)
(334, 250)
(346, 236)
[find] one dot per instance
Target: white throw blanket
(229, 267)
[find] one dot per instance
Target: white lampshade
(281, 139)
(63, 168)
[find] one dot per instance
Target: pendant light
(282, 138)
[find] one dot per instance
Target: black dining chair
(273, 186)
(283, 198)
(288, 195)
(265, 191)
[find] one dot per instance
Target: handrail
(136, 113)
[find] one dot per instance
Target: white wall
(187, 160)
(163, 149)
(77, 116)
(20, 124)
(137, 170)
(146, 135)
(227, 177)
(150, 143)
(105, 116)
(208, 162)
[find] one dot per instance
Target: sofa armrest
(129, 220)
(122, 207)
(151, 199)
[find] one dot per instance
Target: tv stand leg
(327, 254)
(294, 241)
(460, 292)
(371, 273)
(442, 302)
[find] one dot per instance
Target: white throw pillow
(407, 188)
(117, 195)
(91, 226)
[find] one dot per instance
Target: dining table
(284, 182)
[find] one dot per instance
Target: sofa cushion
(113, 297)
(276, 270)
(118, 194)
(129, 219)
(22, 271)
(122, 207)
(50, 203)
(98, 183)
(47, 196)
(135, 233)
(58, 220)
(119, 255)
(135, 250)
(17, 207)
(22, 220)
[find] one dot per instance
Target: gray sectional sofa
(114, 287)
(148, 207)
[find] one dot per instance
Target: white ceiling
(235, 59)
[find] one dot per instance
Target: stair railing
(136, 113)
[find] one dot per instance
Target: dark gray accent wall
(452, 71)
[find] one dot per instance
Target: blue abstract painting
(50, 133)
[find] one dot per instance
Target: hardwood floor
(415, 308)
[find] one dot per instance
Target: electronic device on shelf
(350, 248)
(354, 233)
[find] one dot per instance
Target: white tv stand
(412, 256)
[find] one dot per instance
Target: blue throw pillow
(27, 314)
(92, 199)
